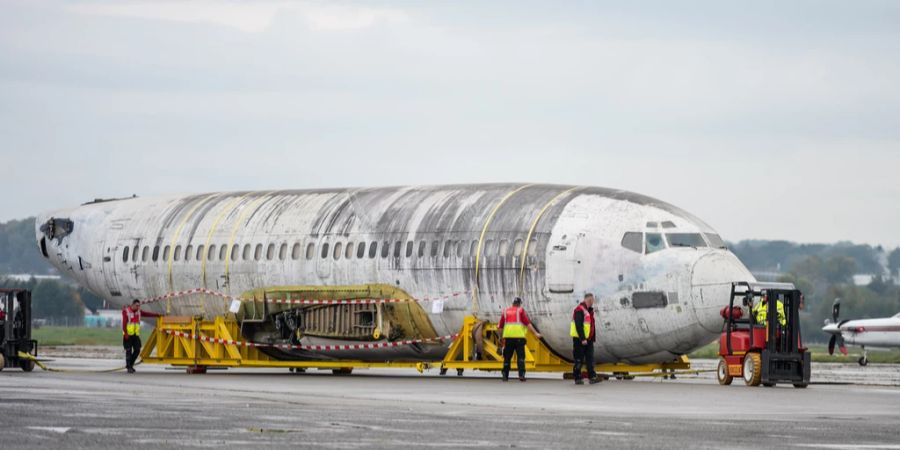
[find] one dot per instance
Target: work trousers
(517, 346)
(583, 355)
(132, 346)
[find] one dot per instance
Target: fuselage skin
(880, 333)
(549, 244)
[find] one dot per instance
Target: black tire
(443, 371)
(801, 385)
(769, 384)
(459, 372)
(27, 365)
(863, 361)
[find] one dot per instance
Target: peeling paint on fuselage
(576, 247)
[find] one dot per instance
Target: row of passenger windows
(336, 251)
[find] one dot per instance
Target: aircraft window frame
(422, 246)
(166, 251)
(323, 253)
(447, 248)
(188, 252)
(125, 252)
(199, 255)
(258, 252)
(360, 249)
(518, 246)
(282, 251)
(630, 244)
(434, 248)
(473, 248)
(270, 251)
(672, 243)
(338, 251)
(211, 252)
(145, 253)
(662, 246)
(235, 252)
(398, 246)
(653, 225)
(223, 252)
(245, 254)
(504, 248)
(409, 249)
(385, 249)
(715, 241)
(155, 257)
(177, 255)
(310, 251)
(348, 250)
(373, 249)
(296, 251)
(668, 224)
(460, 248)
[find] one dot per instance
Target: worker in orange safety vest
(131, 332)
(513, 326)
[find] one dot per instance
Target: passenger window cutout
(223, 250)
(324, 253)
(282, 251)
(188, 252)
(235, 252)
(422, 246)
(655, 243)
(517, 247)
(361, 250)
(125, 254)
(310, 250)
(166, 253)
(504, 244)
(633, 241)
(447, 246)
(337, 251)
(385, 249)
(434, 248)
(295, 251)
(460, 247)
(373, 249)
(211, 253)
(641, 300)
(145, 253)
(348, 252)
(473, 248)
(397, 247)
(270, 252)
(177, 255)
(409, 249)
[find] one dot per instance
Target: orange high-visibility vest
(133, 322)
(512, 323)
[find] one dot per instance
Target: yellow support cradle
(163, 347)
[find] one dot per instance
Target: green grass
(47, 335)
(819, 354)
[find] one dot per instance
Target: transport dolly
(15, 329)
(763, 352)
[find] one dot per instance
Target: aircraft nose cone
(711, 278)
(831, 328)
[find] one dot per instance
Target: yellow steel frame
(164, 348)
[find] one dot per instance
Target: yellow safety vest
(762, 309)
(586, 325)
(512, 323)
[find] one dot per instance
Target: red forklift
(763, 352)
(15, 329)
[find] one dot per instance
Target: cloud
(250, 16)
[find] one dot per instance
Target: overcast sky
(739, 112)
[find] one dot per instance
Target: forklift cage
(15, 329)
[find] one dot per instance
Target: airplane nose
(711, 278)
(831, 328)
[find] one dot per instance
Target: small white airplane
(880, 332)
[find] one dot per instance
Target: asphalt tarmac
(164, 408)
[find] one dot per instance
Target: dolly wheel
(801, 385)
(752, 369)
(443, 371)
(27, 365)
(459, 372)
(722, 373)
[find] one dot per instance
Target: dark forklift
(15, 329)
(764, 352)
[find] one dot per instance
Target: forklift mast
(15, 329)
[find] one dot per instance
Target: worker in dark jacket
(513, 327)
(584, 333)
(131, 332)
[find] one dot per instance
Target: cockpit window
(715, 240)
(686, 240)
(655, 243)
(668, 224)
(634, 241)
